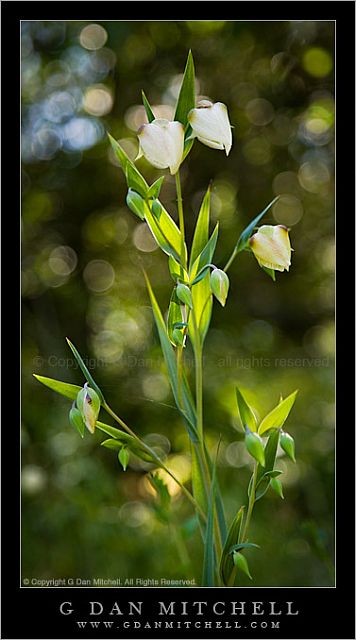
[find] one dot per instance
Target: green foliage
(63, 388)
(248, 231)
(247, 415)
(241, 564)
(124, 457)
(149, 113)
(186, 98)
(287, 444)
(85, 371)
(277, 417)
(227, 569)
(75, 418)
(208, 577)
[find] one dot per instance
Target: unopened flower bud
(88, 403)
(219, 283)
(136, 203)
(287, 444)
(184, 294)
(254, 445)
(271, 247)
(124, 456)
(241, 563)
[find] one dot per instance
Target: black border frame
(323, 612)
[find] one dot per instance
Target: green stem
(181, 219)
(251, 502)
(231, 259)
(159, 462)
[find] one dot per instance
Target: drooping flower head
(162, 144)
(210, 124)
(271, 247)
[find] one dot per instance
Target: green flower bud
(254, 445)
(136, 203)
(277, 487)
(88, 403)
(219, 283)
(287, 444)
(156, 209)
(124, 456)
(178, 337)
(76, 420)
(184, 294)
(241, 563)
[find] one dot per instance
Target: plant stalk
(181, 219)
(155, 457)
(251, 503)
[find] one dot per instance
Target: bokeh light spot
(143, 239)
(99, 275)
(317, 62)
(288, 209)
(98, 100)
(93, 37)
(63, 260)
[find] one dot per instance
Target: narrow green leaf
(85, 371)
(186, 98)
(175, 316)
(63, 388)
(176, 270)
(126, 440)
(134, 178)
(149, 113)
(277, 417)
(244, 545)
(201, 233)
(187, 408)
(200, 491)
(270, 457)
(117, 434)
(206, 255)
(247, 232)
(246, 413)
(227, 567)
(209, 552)
(155, 188)
(165, 232)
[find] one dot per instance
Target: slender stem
(251, 502)
(231, 259)
(155, 457)
(181, 220)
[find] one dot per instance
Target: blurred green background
(83, 251)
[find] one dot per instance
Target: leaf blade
(279, 414)
(186, 98)
(63, 388)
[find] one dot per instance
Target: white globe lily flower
(211, 125)
(162, 144)
(271, 247)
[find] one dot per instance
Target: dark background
(82, 256)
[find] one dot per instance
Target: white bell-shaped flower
(271, 247)
(211, 125)
(162, 144)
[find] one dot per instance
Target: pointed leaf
(136, 204)
(209, 552)
(262, 484)
(165, 232)
(85, 371)
(64, 388)
(76, 420)
(176, 270)
(149, 113)
(186, 98)
(227, 567)
(155, 188)
(175, 316)
(124, 457)
(247, 232)
(186, 406)
(134, 178)
(246, 413)
(201, 233)
(277, 417)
